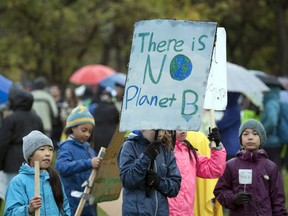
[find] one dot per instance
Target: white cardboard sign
(167, 76)
(245, 176)
(216, 92)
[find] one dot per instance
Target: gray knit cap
(255, 125)
(34, 140)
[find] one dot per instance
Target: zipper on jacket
(155, 191)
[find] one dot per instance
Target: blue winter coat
(74, 166)
(229, 125)
(268, 197)
(133, 165)
(21, 190)
(270, 117)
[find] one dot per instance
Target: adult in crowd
(270, 120)
(229, 125)
(44, 104)
(57, 124)
(19, 123)
(107, 117)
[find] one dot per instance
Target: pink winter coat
(205, 167)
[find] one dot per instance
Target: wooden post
(212, 125)
(37, 184)
(88, 188)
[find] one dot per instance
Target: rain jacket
(205, 167)
(15, 126)
(45, 106)
(74, 166)
(21, 190)
(205, 202)
(268, 197)
(270, 117)
(133, 165)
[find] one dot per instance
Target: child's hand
(34, 204)
(96, 162)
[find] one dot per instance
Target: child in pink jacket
(191, 165)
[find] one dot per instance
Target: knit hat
(34, 140)
(255, 125)
(79, 115)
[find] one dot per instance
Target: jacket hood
(27, 170)
(21, 100)
(137, 135)
(256, 155)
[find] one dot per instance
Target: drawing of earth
(180, 67)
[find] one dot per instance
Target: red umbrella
(91, 74)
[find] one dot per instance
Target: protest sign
(107, 184)
(167, 75)
(245, 176)
(216, 92)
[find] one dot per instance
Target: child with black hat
(251, 183)
(76, 158)
(20, 199)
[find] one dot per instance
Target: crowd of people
(159, 169)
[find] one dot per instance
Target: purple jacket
(268, 197)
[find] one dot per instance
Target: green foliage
(54, 38)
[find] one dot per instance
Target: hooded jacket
(204, 167)
(133, 165)
(270, 117)
(74, 166)
(21, 190)
(268, 197)
(15, 126)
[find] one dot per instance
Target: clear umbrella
(239, 79)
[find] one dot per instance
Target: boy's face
(44, 155)
(181, 135)
(82, 132)
(250, 140)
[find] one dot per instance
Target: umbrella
(5, 85)
(91, 74)
(284, 82)
(111, 81)
(269, 80)
(241, 80)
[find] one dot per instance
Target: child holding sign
(20, 198)
(191, 165)
(251, 183)
(148, 172)
(76, 158)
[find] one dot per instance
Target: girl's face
(44, 155)
(82, 132)
(250, 140)
(181, 135)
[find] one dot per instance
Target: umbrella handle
(212, 125)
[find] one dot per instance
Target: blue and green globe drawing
(180, 67)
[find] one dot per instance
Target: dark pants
(274, 154)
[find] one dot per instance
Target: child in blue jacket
(148, 172)
(76, 158)
(20, 199)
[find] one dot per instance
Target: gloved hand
(214, 135)
(153, 149)
(241, 198)
(152, 179)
